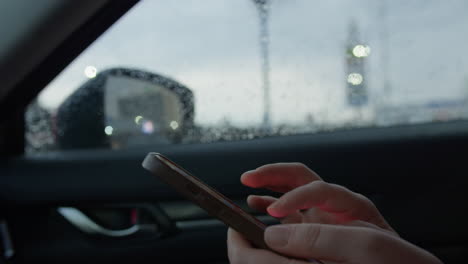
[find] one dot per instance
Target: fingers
(260, 203)
(279, 177)
(312, 215)
(240, 251)
(343, 244)
(343, 203)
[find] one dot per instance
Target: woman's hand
(320, 221)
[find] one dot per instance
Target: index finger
(279, 177)
(332, 198)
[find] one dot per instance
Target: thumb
(319, 241)
(343, 244)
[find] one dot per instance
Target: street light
(263, 7)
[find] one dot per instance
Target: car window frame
(12, 128)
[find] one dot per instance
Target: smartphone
(213, 202)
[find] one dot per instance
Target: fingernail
(277, 236)
(271, 211)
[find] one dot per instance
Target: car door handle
(87, 225)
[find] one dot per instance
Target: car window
(181, 72)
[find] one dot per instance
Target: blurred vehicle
(121, 107)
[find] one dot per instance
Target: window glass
(178, 72)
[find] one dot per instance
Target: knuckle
(312, 236)
(319, 185)
(294, 237)
(368, 205)
(375, 241)
(298, 165)
(339, 188)
(364, 199)
(304, 170)
(300, 168)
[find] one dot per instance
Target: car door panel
(403, 170)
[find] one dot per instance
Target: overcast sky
(211, 46)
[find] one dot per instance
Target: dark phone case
(216, 204)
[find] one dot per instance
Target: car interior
(80, 195)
